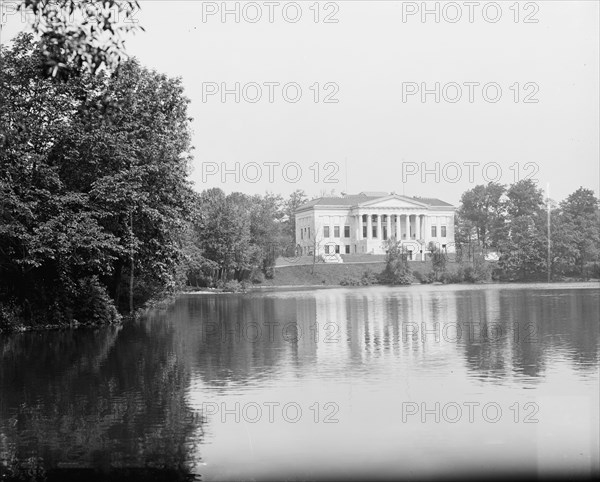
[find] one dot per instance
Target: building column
(369, 226)
(398, 237)
(421, 255)
(379, 226)
(407, 226)
(389, 226)
(418, 226)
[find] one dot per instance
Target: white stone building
(361, 224)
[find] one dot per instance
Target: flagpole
(548, 223)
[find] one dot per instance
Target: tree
(523, 253)
(94, 185)
(240, 234)
(481, 213)
(396, 270)
(224, 233)
(266, 223)
(81, 35)
(438, 259)
(296, 199)
(524, 198)
(576, 233)
(523, 243)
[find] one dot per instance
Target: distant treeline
(515, 223)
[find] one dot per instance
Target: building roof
(351, 200)
(431, 201)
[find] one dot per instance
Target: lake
(400, 382)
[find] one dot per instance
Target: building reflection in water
(492, 333)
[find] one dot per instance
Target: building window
(364, 232)
(443, 229)
(326, 231)
(301, 233)
(337, 248)
(434, 231)
(346, 231)
(308, 233)
(336, 231)
(347, 249)
(374, 232)
(385, 233)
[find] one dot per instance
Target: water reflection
(108, 398)
(496, 334)
(136, 396)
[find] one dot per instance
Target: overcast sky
(376, 52)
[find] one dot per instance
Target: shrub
(350, 281)
(231, 286)
(10, 316)
(396, 265)
(592, 270)
(477, 272)
(257, 276)
(368, 278)
(94, 305)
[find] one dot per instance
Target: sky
(342, 95)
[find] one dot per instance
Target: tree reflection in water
(112, 400)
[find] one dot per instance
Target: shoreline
(167, 300)
(333, 286)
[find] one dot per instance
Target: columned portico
(361, 224)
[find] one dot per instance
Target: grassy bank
(333, 274)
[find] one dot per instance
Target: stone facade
(362, 223)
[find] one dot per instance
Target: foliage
(517, 227)
(475, 272)
(480, 214)
(439, 260)
(524, 198)
(296, 199)
(231, 286)
(523, 243)
(576, 235)
(523, 253)
(236, 235)
(81, 35)
(93, 183)
(368, 278)
(396, 270)
(350, 281)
